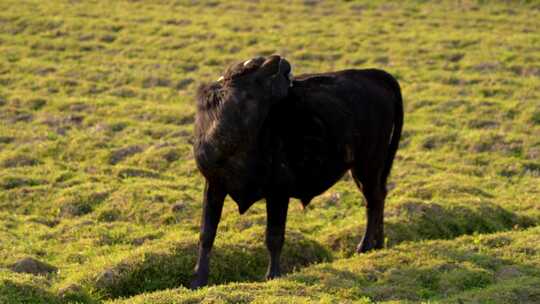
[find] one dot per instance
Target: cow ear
(274, 73)
(286, 69)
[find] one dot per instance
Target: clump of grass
(415, 220)
(241, 258)
(19, 160)
(123, 153)
(12, 182)
(25, 288)
(77, 202)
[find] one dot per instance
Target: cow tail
(396, 133)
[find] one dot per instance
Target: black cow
(260, 133)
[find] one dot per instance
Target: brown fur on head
(242, 68)
(208, 96)
(268, 73)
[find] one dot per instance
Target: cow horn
(247, 62)
(220, 79)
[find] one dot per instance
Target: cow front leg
(276, 211)
(212, 207)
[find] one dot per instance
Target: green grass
(98, 179)
(496, 268)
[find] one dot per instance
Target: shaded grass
(24, 288)
(417, 220)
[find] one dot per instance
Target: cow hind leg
(370, 183)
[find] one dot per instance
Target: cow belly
(313, 182)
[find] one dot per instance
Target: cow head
(265, 78)
(232, 110)
(242, 97)
(254, 85)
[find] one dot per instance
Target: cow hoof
(361, 248)
(196, 284)
(271, 276)
(366, 246)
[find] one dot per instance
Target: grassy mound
(242, 257)
(494, 268)
(416, 220)
(25, 288)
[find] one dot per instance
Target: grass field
(97, 176)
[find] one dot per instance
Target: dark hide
(259, 137)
